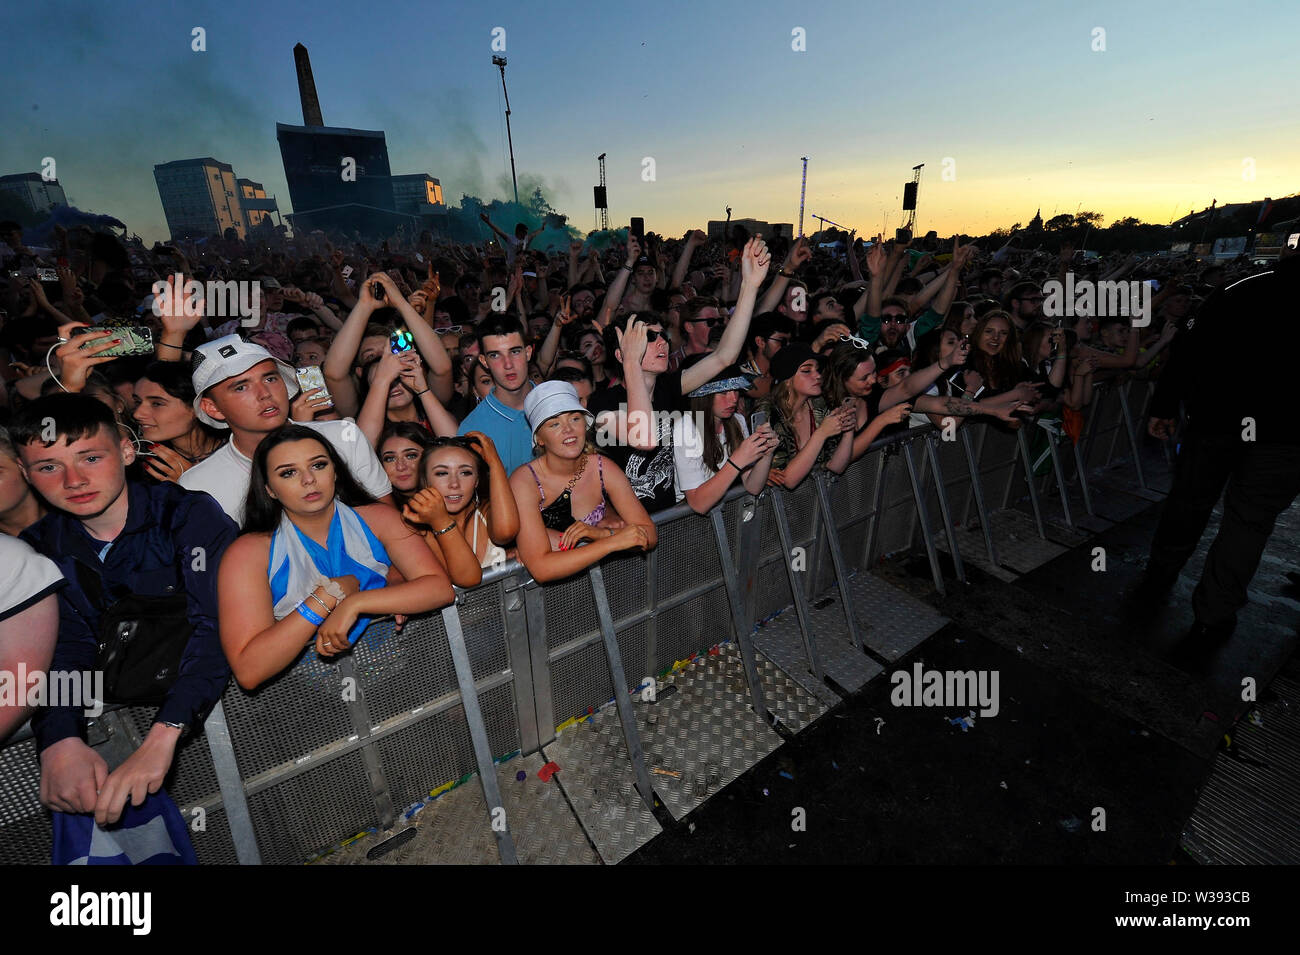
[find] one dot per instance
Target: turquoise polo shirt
(507, 428)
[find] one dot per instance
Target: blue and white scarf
(297, 562)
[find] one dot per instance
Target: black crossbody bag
(141, 641)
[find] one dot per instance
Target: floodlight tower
(500, 63)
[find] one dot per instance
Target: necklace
(582, 466)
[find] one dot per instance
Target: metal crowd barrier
(332, 749)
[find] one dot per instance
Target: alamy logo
(664, 427)
(77, 688)
(215, 299)
(946, 688)
(74, 907)
(1088, 299)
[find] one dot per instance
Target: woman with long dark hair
(401, 447)
(712, 446)
(995, 353)
(173, 439)
(464, 507)
(313, 560)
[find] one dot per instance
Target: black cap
(787, 361)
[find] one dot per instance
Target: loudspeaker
(909, 197)
(601, 201)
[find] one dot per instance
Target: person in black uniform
(1243, 434)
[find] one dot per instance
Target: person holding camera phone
(709, 461)
(808, 430)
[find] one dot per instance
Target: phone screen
(757, 420)
(401, 340)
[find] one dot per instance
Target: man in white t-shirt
(241, 387)
(29, 620)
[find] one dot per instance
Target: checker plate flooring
(706, 732)
(455, 828)
(893, 621)
(1015, 537)
(779, 639)
(1249, 810)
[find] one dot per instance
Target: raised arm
(427, 341)
(503, 514)
(754, 263)
(337, 368)
(799, 254)
(614, 296)
(694, 239)
(636, 425)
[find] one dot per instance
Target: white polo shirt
(225, 474)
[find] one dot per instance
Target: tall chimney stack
(307, 88)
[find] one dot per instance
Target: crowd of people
(394, 418)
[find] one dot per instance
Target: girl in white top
(465, 508)
(708, 464)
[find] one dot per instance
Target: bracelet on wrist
(309, 615)
(424, 392)
(444, 530)
(170, 345)
(323, 605)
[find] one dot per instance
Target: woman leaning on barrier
(807, 428)
(712, 445)
(463, 507)
(313, 560)
(575, 480)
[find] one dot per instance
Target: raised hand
(633, 249)
(81, 353)
(632, 342)
(755, 261)
(799, 253)
(876, 258)
(305, 405)
(481, 443)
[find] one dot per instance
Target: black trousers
(1261, 481)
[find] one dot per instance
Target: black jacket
(1236, 359)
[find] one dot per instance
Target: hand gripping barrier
(328, 750)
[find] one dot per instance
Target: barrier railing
(331, 749)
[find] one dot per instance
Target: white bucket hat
(550, 398)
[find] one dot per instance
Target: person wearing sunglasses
(700, 316)
(631, 417)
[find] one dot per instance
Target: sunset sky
(1155, 125)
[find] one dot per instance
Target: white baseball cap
(226, 357)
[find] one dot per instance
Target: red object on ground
(547, 771)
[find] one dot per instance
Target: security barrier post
(977, 492)
(922, 511)
(775, 498)
(1132, 435)
(233, 799)
(837, 559)
(1023, 444)
(740, 627)
(941, 492)
(617, 676)
(1060, 476)
(487, 774)
(359, 713)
